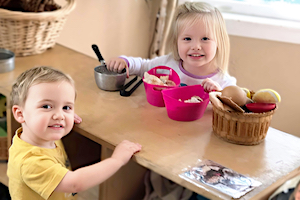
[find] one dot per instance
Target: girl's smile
(197, 49)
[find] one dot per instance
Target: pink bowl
(180, 111)
(153, 92)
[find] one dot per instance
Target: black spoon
(97, 51)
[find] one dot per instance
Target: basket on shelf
(241, 128)
(30, 33)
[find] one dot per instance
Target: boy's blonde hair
(188, 14)
(35, 76)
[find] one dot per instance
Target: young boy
(42, 100)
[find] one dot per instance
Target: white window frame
(249, 24)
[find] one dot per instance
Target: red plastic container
(181, 111)
(153, 92)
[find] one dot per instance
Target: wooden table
(168, 146)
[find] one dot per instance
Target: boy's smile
(48, 113)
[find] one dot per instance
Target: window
(264, 19)
(276, 9)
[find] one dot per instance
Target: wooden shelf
(3, 176)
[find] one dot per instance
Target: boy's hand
(210, 85)
(77, 119)
(124, 151)
(117, 65)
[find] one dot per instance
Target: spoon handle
(97, 51)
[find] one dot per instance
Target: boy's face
(48, 113)
(196, 48)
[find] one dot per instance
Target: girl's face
(48, 113)
(197, 48)
(297, 193)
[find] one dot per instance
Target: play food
(236, 94)
(260, 107)
(266, 96)
(153, 92)
(181, 111)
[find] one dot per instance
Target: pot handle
(97, 51)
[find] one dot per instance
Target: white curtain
(162, 27)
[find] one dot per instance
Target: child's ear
(18, 113)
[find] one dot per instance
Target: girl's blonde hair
(188, 14)
(32, 77)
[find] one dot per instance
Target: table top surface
(168, 146)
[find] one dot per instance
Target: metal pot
(112, 81)
(105, 79)
(7, 60)
(108, 80)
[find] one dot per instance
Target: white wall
(116, 26)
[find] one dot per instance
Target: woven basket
(28, 33)
(241, 128)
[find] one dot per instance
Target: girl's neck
(203, 70)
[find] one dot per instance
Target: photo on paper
(221, 178)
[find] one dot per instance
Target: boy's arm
(87, 177)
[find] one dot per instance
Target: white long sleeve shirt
(137, 66)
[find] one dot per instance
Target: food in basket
(29, 5)
(154, 80)
(249, 93)
(28, 32)
(245, 125)
(232, 99)
(236, 94)
(193, 99)
(266, 96)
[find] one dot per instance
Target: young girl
(43, 102)
(199, 46)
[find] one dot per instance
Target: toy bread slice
(214, 99)
(228, 101)
(266, 96)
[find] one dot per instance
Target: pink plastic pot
(181, 111)
(153, 92)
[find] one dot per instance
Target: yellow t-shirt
(35, 172)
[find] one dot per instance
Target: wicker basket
(241, 128)
(28, 33)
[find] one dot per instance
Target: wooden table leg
(127, 183)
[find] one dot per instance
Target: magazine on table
(221, 178)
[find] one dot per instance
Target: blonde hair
(293, 195)
(32, 77)
(188, 14)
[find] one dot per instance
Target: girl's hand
(210, 85)
(117, 65)
(124, 151)
(77, 119)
